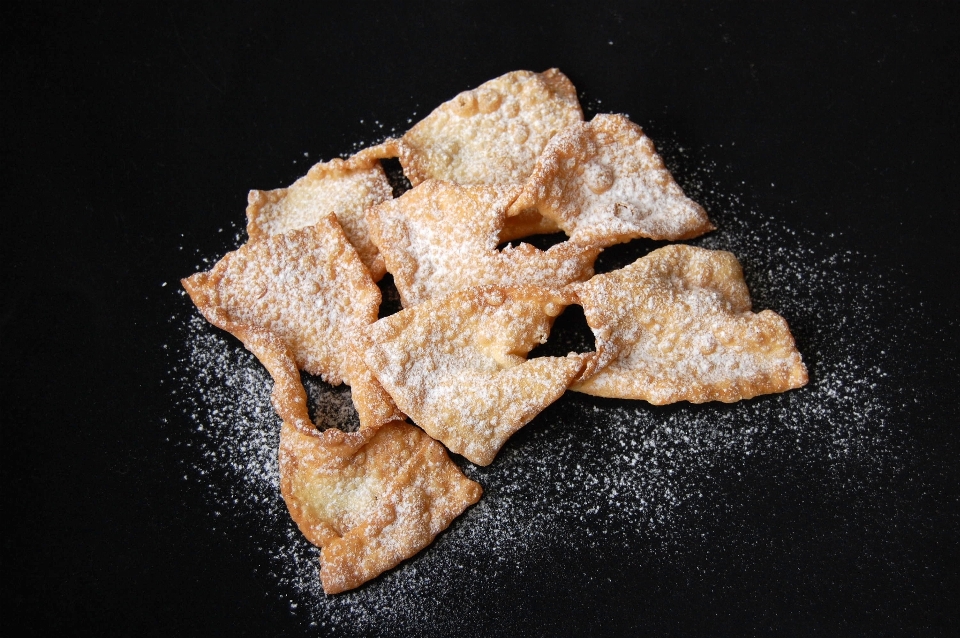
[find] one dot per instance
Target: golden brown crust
(676, 325)
(345, 187)
(493, 133)
(374, 405)
(508, 159)
(603, 183)
(369, 499)
(289, 398)
(441, 237)
(561, 87)
(525, 224)
(387, 149)
(295, 300)
(457, 364)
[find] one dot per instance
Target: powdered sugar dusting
(307, 287)
(342, 187)
(676, 325)
(602, 182)
(624, 475)
(493, 133)
(455, 365)
(441, 237)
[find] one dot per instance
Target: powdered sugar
(621, 475)
(342, 187)
(676, 325)
(307, 287)
(493, 133)
(455, 365)
(442, 237)
(602, 182)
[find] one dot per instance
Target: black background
(131, 136)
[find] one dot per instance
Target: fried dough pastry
(441, 237)
(676, 325)
(457, 364)
(369, 499)
(527, 223)
(344, 187)
(509, 159)
(299, 295)
(492, 134)
(603, 183)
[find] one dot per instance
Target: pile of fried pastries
(511, 158)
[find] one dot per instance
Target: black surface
(131, 136)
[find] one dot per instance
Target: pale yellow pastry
(306, 293)
(344, 187)
(676, 325)
(369, 499)
(441, 237)
(492, 134)
(457, 364)
(603, 183)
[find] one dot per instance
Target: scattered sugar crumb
(647, 477)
